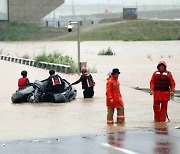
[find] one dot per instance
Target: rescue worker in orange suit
(55, 84)
(24, 81)
(114, 98)
(162, 85)
(87, 83)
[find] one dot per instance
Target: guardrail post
(12, 59)
(8, 58)
(32, 63)
(16, 60)
(19, 60)
(5, 58)
(2, 57)
(27, 62)
(23, 61)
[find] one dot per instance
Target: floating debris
(58, 140)
(35, 141)
(177, 127)
(49, 141)
(3, 145)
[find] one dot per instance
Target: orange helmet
(83, 69)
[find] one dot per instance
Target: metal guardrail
(44, 65)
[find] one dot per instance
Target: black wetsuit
(87, 85)
(55, 84)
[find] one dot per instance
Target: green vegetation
(29, 32)
(57, 58)
(136, 30)
(126, 30)
(92, 70)
(111, 20)
(108, 51)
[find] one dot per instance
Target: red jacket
(161, 91)
(113, 92)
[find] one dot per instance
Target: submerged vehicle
(35, 93)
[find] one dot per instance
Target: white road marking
(119, 149)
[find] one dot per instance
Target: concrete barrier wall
(44, 65)
(30, 11)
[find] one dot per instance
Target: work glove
(151, 92)
(172, 93)
(111, 100)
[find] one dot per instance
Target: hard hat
(83, 69)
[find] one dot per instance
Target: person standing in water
(114, 98)
(87, 83)
(162, 85)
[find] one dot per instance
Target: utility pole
(78, 40)
(73, 10)
(78, 47)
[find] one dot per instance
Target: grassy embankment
(29, 32)
(137, 30)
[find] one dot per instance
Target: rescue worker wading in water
(55, 84)
(24, 81)
(87, 83)
(162, 85)
(114, 98)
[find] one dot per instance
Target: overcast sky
(160, 2)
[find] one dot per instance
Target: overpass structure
(31, 11)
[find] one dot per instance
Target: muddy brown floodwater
(42, 120)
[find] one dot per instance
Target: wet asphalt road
(145, 141)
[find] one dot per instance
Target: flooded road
(136, 60)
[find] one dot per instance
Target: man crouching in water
(114, 98)
(87, 83)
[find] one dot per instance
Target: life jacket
(55, 80)
(22, 83)
(87, 81)
(161, 82)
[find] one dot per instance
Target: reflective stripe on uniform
(165, 73)
(120, 116)
(88, 83)
(59, 80)
(109, 121)
(53, 81)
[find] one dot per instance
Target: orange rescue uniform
(113, 92)
(162, 83)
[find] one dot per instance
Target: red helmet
(83, 69)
